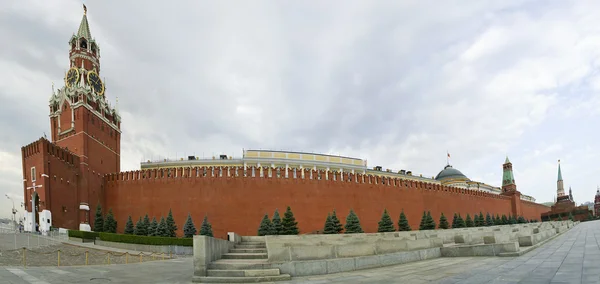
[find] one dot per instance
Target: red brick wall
(237, 204)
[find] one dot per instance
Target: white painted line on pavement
(58, 271)
(26, 276)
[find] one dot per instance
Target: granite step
(242, 273)
(244, 245)
(248, 250)
(244, 256)
(209, 279)
(239, 264)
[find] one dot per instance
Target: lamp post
(33, 194)
(14, 211)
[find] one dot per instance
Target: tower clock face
(72, 77)
(95, 82)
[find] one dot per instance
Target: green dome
(450, 173)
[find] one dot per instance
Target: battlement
(42, 145)
(279, 173)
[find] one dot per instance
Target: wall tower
(560, 190)
(508, 179)
(597, 203)
(81, 119)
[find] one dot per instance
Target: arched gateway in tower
(85, 142)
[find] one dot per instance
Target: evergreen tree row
(279, 226)
(166, 227)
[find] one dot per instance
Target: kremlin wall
(234, 203)
(65, 179)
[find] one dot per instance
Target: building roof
(450, 173)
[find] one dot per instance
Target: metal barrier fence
(12, 239)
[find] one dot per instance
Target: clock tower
(81, 118)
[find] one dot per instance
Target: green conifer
(288, 223)
(276, 227)
(521, 220)
(469, 221)
(504, 220)
(138, 225)
(110, 224)
(481, 220)
(146, 224)
(99, 220)
(386, 224)
(423, 224)
(161, 229)
(206, 228)
(151, 230)
(353, 224)
(129, 227)
(430, 225)
(455, 222)
(171, 225)
(328, 228)
(403, 222)
(488, 220)
(336, 223)
(461, 221)
(443, 222)
(265, 226)
(571, 216)
(189, 229)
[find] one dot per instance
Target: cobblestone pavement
(573, 257)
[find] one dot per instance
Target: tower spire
(84, 27)
(560, 190)
(508, 179)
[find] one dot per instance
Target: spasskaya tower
(81, 119)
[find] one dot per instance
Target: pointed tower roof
(507, 161)
(559, 173)
(84, 27)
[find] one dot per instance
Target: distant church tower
(508, 179)
(560, 190)
(81, 119)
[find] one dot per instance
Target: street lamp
(33, 194)
(14, 211)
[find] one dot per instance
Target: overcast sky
(398, 83)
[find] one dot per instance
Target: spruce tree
(461, 221)
(423, 224)
(468, 221)
(560, 217)
(276, 227)
(497, 221)
(151, 230)
(171, 225)
(265, 226)
(328, 228)
(288, 223)
(189, 229)
(129, 227)
(139, 227)
(110, 224)
(504, 221)
(430, 225)
(481, 220)
(161, 229)
(475, 220)
(146, 224)
(512, 220)
(521, 220)
(336, 223)
(488, 220)
(455, 221)
(99, 220)
(443, 222)
(353, 224)
(385, 224)
(403, 222)
(206, 228)
(571, 216)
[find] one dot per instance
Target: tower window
(83, 43)
(32, 174)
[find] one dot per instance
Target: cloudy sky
(398, 83)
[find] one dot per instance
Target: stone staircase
(245, 263)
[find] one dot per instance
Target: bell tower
(81, 118)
